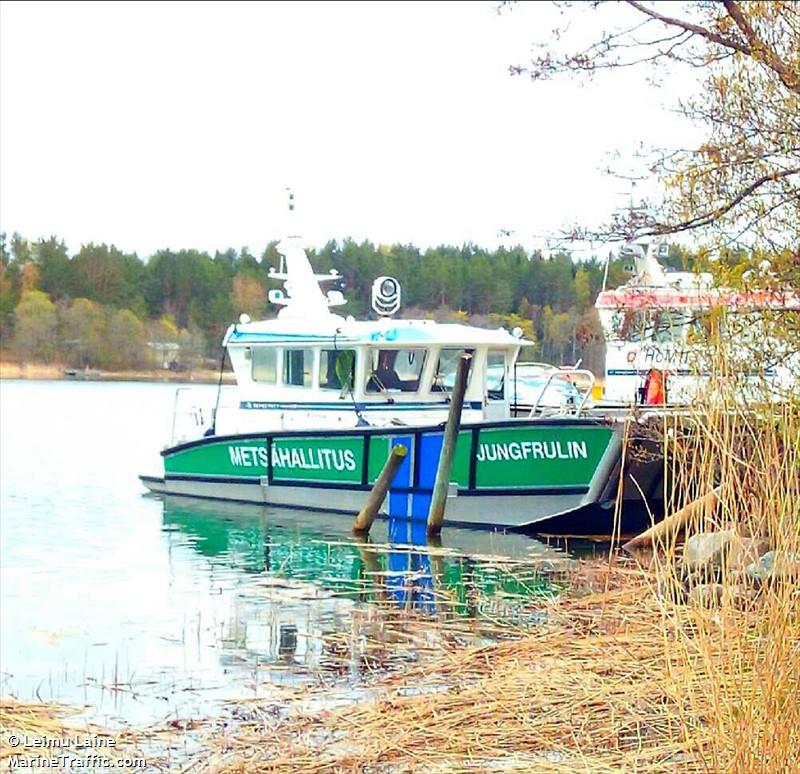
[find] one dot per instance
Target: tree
(193, 345)
(248, 295)
(583, 289)
(28, 277)
(20, 249)
(558, 335)
(127, 344)
(7, 302)
(83, 328)
(743, 182)
(5, 255)
(185, 284)
(55, 271)
(108, 276)
(35, 326)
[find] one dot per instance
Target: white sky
(155, 125)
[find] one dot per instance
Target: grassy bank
(619, 677)
(618, 680)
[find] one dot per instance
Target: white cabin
(312, 369)
(339, 373)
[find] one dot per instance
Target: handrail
(561, 372)
(175, 411)
(200, 412)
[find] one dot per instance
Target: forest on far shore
(104, 308)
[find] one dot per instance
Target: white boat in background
(657, 334)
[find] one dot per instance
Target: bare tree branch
(690, 27)
(760, 51)
(710, 217)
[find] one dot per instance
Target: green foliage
(108, 276)
(55, 272)
(35, 326)
(20, 249)
(83, 333)
(126, 340)
(7, 302)
(188, 297)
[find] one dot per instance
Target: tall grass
(738, 650)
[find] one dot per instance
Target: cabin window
(445, 376)
(496, 374)
(337, 369)
(669, 325)
(396, 370)
(298, 367)
(662, 326)
(264, 364)
(630, 324)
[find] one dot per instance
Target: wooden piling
(374, 576)
(674, 523)
(381, 486)
(439, 497)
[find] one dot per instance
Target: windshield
(396, 370)
(446, 367)
(559, 392)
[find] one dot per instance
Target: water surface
(149, 609)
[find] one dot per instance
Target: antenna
(290, 224)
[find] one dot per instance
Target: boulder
(710, 553)
(670, 589)
(707, 550)
(744, 551)
(706, 595)
(776, 566)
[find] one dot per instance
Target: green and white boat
(320, 399)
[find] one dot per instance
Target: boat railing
(194, 412)
(561, 372)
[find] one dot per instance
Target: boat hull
(505, 474)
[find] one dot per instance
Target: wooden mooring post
(439, 497)
(367, 514)
(672, 525)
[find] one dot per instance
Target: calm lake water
(148, 610)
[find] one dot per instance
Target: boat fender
(655, 387)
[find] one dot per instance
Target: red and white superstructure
(657, 325)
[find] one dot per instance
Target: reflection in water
(310, 597)
(147, 610)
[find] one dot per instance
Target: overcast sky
(155, 125)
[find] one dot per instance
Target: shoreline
(56, 372)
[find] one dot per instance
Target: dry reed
(29, 730)
(750, 450)
(618, 680)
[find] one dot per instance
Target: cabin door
(496, 406)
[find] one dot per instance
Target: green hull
(504, 473)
